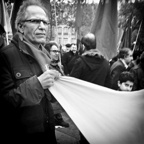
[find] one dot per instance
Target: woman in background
(54, 51)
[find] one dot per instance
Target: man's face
(74, 48)
(125, 86)
(129, 57)
(35, 31)
(54, 52)
(67, 49)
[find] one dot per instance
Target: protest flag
(5, 20)
(126, 38)
(105, 28)
(2, 13)
(16, 6)
(78, 20)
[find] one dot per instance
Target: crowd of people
(30, 65)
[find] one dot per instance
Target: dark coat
(92, 67)
(139, 77)
(68, 61)
(116, 69)
(26, 105)
(56, 106)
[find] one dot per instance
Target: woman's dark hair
(126, 76)
(50, 44)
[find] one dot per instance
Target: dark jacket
(92, 67)
(56, 106)
(68, 61)
(139, 77)
(116, 69)
(26, 105)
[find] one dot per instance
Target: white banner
(104, 116)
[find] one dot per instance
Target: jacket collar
(124, 63)
(18, 40)
(93, 53)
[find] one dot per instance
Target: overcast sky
(90, 1)
(96, 1)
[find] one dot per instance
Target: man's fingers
(54, 73)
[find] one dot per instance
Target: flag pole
(78, 22)
(137, 36)
(55, 20)
(119, 43)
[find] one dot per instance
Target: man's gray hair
(21, 14)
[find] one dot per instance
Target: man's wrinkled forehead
(37, 11)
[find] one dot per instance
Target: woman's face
(54, 52)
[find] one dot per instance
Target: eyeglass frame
(55, 51)
(37, 21)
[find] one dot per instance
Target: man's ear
(21, 28)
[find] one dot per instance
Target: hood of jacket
(93, 59)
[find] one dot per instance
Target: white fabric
(104, 116)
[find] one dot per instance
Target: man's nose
(41, 25)
(129, 88)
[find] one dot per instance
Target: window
(60, 40)
(72, 31)
(59, 30)
(65, 30)
(65, 41)
(73, 40)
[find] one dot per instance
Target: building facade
(65, 34)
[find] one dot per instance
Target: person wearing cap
(69, 58)
(138, 71)
(67, 46)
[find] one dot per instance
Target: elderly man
(26, 112)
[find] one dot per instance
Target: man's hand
(47, 78)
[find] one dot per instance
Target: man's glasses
(37, 21)
(55, 51)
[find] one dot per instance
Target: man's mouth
(40, 34)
